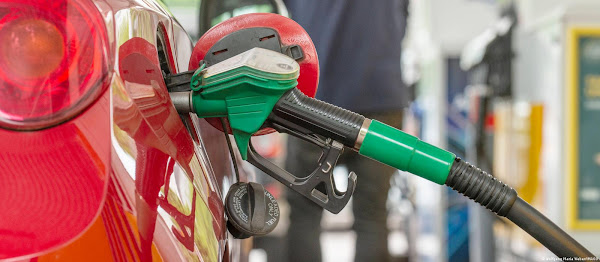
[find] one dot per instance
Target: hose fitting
(482, 187)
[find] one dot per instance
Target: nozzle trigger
(332, 199)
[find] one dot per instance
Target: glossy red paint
(128, 179)
(161, 141)
(290, 33)
(53, 182)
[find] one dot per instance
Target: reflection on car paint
(162, 198)
(162, 142)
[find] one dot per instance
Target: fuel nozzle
(256, 89)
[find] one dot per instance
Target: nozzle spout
(182, 101)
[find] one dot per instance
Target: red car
(95, 162)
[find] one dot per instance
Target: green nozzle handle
(378, 141)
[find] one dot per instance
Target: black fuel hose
(501, 199)
(545, 231)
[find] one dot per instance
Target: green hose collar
(393, 147)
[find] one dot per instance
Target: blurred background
(511, 86)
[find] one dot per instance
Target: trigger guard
(333, 200)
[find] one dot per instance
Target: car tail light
(53, 61)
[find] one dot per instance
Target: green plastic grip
(244, 88)
(246, 100)
(395, 148)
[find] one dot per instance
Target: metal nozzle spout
(182, 101)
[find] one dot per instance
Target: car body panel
(51, 192)
(159, 177)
